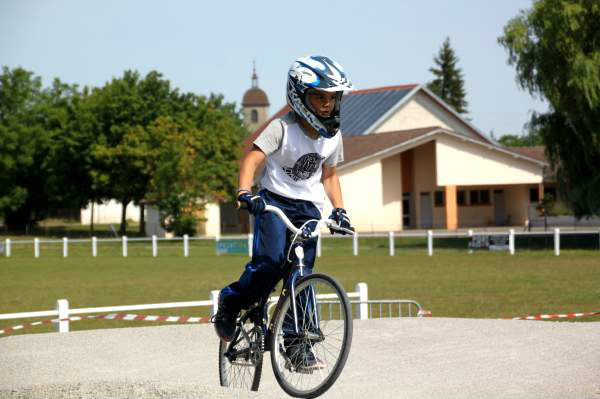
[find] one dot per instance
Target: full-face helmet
(320, 73)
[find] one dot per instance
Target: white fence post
(250, 240)
(392, 245)
(557, 241)
(65, 247)
(7, 247)
(94, 246)
(62, 305)
(319, 245)
(429, 242)
(186, 245)
(470, 234)
(355, 244)
(124, 245)
(214, 297)
(36, 247)
(363, 306)
(154, 247)
(511, 241)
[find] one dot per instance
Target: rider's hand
(306, 232)
(254, 204)
(341, 219)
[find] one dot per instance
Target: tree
(194, 160)
(132, 139)
(531, 139)
(121, 105)
(148, 137)
(555, 47)
(449, 83)
(33, 178)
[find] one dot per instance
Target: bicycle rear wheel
(240, 361)
(323, 340)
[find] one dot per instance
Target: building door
(499, 217)
(406, 208)
(426, 211)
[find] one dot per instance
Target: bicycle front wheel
(307, 359)
(240, 361)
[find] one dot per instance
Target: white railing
(429, 235)
(65, 313)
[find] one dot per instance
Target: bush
(184, 224)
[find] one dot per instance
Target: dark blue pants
(269, 251)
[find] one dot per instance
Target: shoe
(224, 322)
(302, 359)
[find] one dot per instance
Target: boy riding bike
(301, 151)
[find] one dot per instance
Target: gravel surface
(408, 358)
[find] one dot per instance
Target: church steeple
(255, 104)
(254, 76)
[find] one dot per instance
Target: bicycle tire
(244, 371)
(334, 343)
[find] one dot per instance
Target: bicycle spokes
(240, 362)
(313, 345)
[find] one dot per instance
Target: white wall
(391, 212)
(516, 202)
(421, 111)
(372, 194)
(213, 223)
(109, 212)
(480, 215)
(460, 163)
(153, 226)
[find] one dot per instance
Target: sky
(208, 46)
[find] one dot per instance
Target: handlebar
(329, 223)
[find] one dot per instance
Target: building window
(479, 197)
(474, 197)
(439, 198)
(254, 116)
(484, 197)
(461, 197)
(534, 195)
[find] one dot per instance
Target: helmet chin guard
(320, 73)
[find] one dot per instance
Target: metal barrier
(384, 308)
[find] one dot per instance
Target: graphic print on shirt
(305, 166)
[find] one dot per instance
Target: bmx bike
(312, 318)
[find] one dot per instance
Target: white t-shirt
(294, 160)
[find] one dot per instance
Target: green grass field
(452, 283)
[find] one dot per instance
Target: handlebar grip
(333, 226)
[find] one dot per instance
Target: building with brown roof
(412, 162)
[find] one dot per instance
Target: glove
(341, 219)
(307, 230)
(254, 204)
(306, 233)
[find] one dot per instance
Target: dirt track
(408, 358)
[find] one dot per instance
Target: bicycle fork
(299, 251)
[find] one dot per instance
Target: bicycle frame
(246, 337)
(297, 272)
